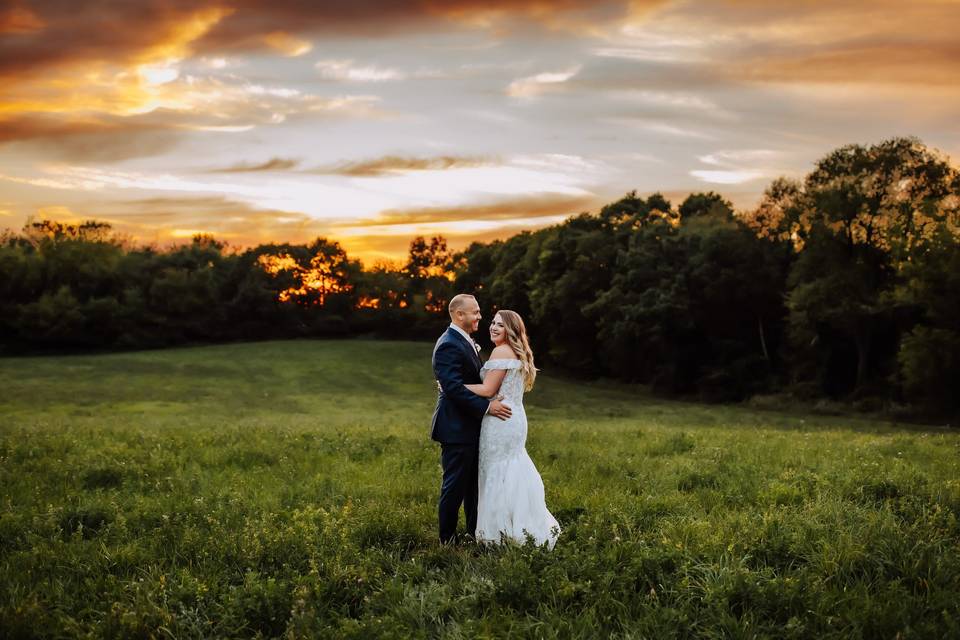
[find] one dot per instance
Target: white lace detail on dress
(512, 386)
(511, 500)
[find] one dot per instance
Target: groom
(456, 420)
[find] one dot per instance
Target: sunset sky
(373, 121)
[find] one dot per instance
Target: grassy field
(289, 489)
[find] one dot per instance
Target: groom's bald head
(460, 302)
(464, 312)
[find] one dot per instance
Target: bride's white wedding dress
(511, 499)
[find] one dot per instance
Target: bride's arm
(491, 383)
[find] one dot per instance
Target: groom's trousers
(460, 486)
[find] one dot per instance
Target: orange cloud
(165, 220)
(395, 248)
(150, 120)
(115, 33)
(18, 19)
(395, 164)
(273, 164)
(286, 44)
(844, 41)
(388, 237)
(119, 32)
(85, 139)
(535, 207)
(907, 64)
(34, 127)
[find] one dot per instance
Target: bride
(511, 498)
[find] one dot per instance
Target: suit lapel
(474, 356)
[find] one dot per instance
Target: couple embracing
(482, 430)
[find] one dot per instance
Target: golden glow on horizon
(189, 233)
(315, 282)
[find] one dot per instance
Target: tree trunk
(763, 340)
(863, 355)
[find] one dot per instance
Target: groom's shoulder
(444, 339)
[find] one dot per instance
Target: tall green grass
(289, 489)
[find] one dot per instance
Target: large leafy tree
(694, 303)
(861, 216)
(574, 266)
(430, 270)
(71, 291)
(929, 355)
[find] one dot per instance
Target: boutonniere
(477, 347)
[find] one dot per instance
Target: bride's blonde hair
(517, 339)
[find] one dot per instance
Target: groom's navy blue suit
(456, 426)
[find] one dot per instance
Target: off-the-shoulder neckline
(498, 360)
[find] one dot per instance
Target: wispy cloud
(737, 165)
(391, 165)
(67, 183)
(388, 235)
(170, 219)
(726, 177)
(348, 71)
(882, 63)
(735, 156)
(108, 123)
(535, 85)
(286, 44)
(673, 102)
(847, 41)
(655, 126)
(545, 206)
(273, 164)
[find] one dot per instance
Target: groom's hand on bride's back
(499, 410)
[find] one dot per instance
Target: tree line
(845, 284)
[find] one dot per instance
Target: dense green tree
(929, 354)
(501, 275)
(383, 301)
(430, 270)
(428, 259)
(695, 306)
(575, 265)
(710, 204)
(642, 316)
(859, 217)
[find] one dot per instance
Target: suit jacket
(456, 420)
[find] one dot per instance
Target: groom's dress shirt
(472, 344)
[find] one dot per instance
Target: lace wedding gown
(511, 500)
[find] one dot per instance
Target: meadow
(288, 489)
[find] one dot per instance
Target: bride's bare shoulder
(503, 352)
